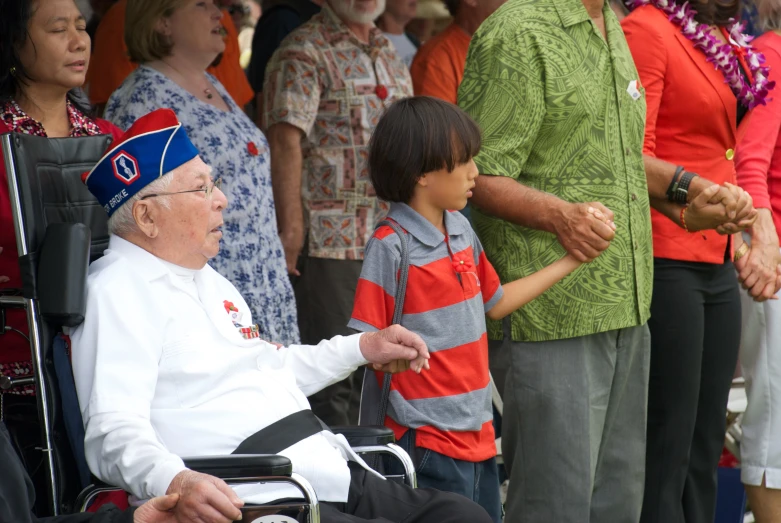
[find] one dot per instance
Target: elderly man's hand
(204, 498)
(157, 510)
(395, 349)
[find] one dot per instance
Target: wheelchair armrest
(365, 436)
(241, 465)
(224, 467)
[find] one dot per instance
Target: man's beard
(347, 11)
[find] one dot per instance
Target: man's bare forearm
(659, 175)
(286, 175)
(670, 209)
(516, 203)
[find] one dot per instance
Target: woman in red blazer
(44, 54)
(692, 121)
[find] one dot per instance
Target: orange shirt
(438, 67)
(110, 65)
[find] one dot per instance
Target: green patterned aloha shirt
(557, 113)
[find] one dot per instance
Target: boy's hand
(393, 367)
(599, 215)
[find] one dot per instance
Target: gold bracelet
(741, 251)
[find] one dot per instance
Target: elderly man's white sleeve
(115, 364)
(317, 366)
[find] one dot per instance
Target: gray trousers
(574, 427)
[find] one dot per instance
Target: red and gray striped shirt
(451, 286)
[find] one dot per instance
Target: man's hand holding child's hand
(395, 349)
(599, 215)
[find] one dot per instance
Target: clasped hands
(395, 349)
(730, 210)
(759, 271)
(759, 265)
(726, 208)
(585, 230)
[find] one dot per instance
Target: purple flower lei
(721, 55)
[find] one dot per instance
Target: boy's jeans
(476, 481)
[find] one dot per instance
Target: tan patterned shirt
(324, 81)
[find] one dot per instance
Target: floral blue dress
(251, 254)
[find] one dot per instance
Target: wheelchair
(60, 229)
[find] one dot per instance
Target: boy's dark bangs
(452, 138)
(465, 141)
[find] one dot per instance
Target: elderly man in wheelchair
(168, 363)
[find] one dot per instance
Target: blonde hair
(769, 14)
(144, 42)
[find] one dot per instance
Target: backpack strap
(401, 286)
(401, 291)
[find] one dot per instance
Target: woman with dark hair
(700, 79)
(44, 54)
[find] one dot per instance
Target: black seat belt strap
(282, 434)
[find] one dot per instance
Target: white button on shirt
(162, 372)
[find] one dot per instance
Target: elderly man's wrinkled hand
(388, 348)
(204, 498)
(157, 510)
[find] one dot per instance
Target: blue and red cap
(154, 145)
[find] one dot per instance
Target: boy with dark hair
(420, 160)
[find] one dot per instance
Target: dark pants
(476, 481)
(695, 335)
(17, 495)
(324, 296)
(372, 499)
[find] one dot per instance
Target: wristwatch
(678, 190)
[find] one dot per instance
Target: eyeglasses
(208, 190)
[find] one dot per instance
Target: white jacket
(161, 372)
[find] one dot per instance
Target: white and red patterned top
(19, 122)
(334, 88)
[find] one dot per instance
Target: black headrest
(49, 175)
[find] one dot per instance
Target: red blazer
(758, 160)
(14, 348)
(690, 122)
